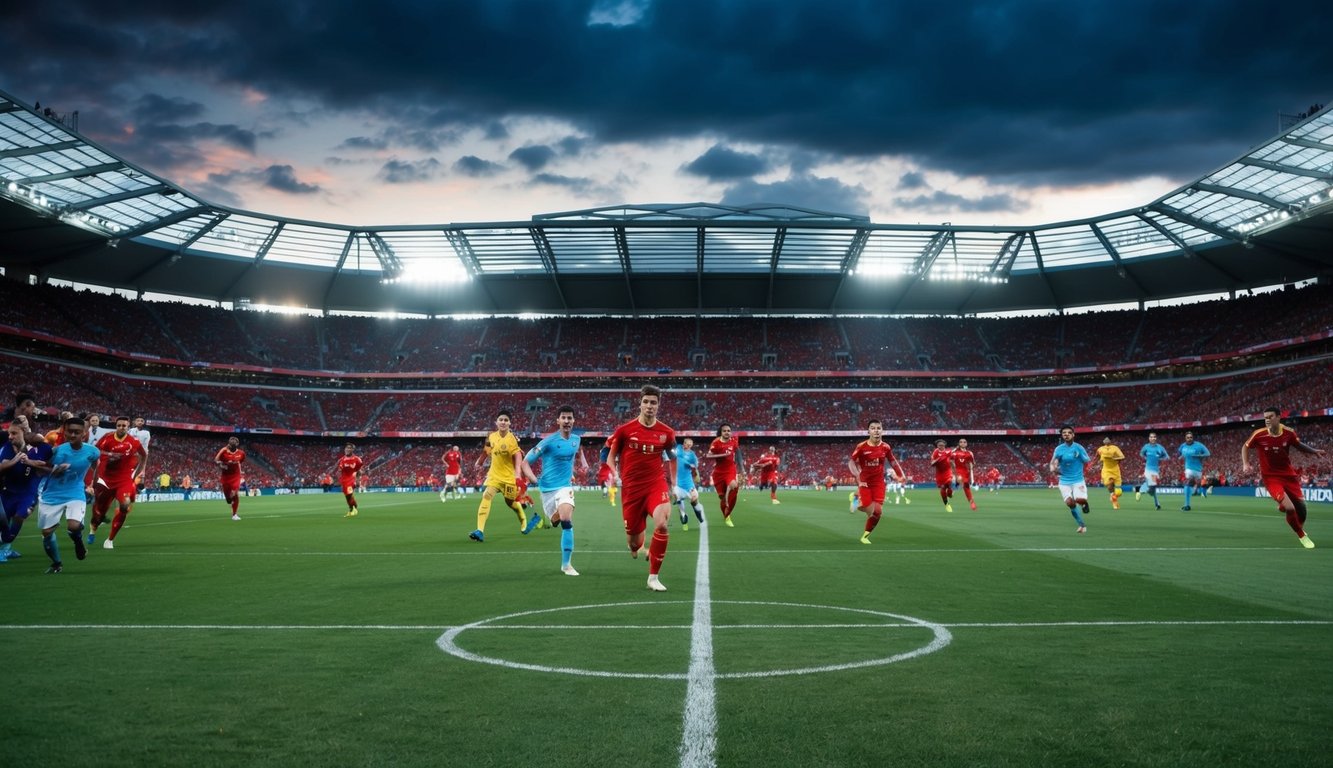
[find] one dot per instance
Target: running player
(453, 467)
(768, 472)
(941, 460)
(62, 493)
(116, 479)
(964, 465)
(1110, 456)
(641, 445)
(869, 461)
(725, 448)
(606, 475)
(349, 464)
(506, 464)
(229, 459)
(556, 453)
(1068, 459)
(1153, 454)
(687, 484)
(140, 432)
(1193, 452)
(1273, 443)
(21, 469)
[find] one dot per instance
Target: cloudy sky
(443, 111)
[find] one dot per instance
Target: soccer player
(941, 459)
(506, 464)
(349, 464)
(1153, 454)
(1193, 452)
(21, 469)
(229, 459)
(1068, 459)
(964, 465)
(637, 449)
(141, 433)
(1110, 456)
(95, 430)
(993, 479)
(869, 462)
(62, 492)
(687, 483)
(768, 472)
(116, 478)
(606, 474)
(453, 467)
(556, 453)
(725, 448)
(1273, 444)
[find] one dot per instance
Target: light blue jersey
(686, 463)
(1152, 454)
(557, 456)
(69, 485)
(1193, 454)
(1071, 460)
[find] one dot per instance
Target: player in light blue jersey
(1193, 452)
(557, 452)
(1153, 454)
(1069, 460)
(63, 494)
(687, 483)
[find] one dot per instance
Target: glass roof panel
(747, 249)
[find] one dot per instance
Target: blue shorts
(18, 506)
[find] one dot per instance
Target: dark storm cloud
(945, 202)
(1026, 92)
(471, 165)
(534, 158)
(722, 164)
(363, 142)
(279, 177)
(912, 180)
(803, 190)
(171, 133)
(556, 180)
(155, 108)
(408, 171)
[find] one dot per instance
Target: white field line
(698, 741)
(618, 552)
(682, 627)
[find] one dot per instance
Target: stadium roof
(71, 210)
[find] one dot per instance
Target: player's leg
(733, 490)
(48, 517)
(483, 512)
(657, 547)
(697, 505)
(350, 497)
(1189, 490)
(124, 505)
(967, 491)
(681, 498)
(874, 511)
(635, 517)
(74, 514)
(720, 487)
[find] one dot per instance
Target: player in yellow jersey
(506, 464)
(1111, 457)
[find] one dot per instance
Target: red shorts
(723, 479)
(943, 482)
(871, 494)
(123, 490)
(348, 487)
(636, 506)
(231, 487)
(603, 475)
(768, 479)
(1280, 487)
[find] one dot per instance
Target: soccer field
(996, 637)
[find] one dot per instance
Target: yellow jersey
(502, 451)
(1111, 458)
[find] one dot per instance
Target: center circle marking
(941, 637)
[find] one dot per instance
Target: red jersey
(768, 464)
(127, 449)
(232, 461)
(640, 449)
(726, 464)
(348, 466)
(872, 459)
(453, 462)
(993, 475)
(1273, 450)
(963, 460)
(941, 459)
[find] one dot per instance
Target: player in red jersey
(116, 479)
(1273, 444)
(637, 451)
(964, 464)
(726, 449)
(229, 459)
(993, 478)
(453, 467)
(941, 460)
(868, 462)
(348, 465)
(768, 472)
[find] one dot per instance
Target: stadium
(281, 631)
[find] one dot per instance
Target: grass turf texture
(298, 637)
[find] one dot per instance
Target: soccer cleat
(235, 517)
(1137, 495)
(948, 507)
(1115, 504)
(568, 570)
(727, 520)
(477, 535)
(108, 544)
(1082, 529)
(865, 538)
(906, 500)
(55, 568)
(655, 584)
(350, 513)
(974, 505)
(80, 550)
(684, 526)
(13, 554)
(775, 501)
(92, 538)
(1305, 542)
(533, 520)
(1185, 508)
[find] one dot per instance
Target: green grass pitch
(297, 637)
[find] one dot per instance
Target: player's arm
(898, 468)
(583, 462)
(143, 462)
(1245, 457)
(1303, 448)
(217, 458)
(1055, 463)
(613, 458)
(16, 459)
(855, 469)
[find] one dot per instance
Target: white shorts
(681, 493)
(450, 479)
(1193, 474)
(1151, 478)
(555, 499)
(1075, 491)
(48, 515)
